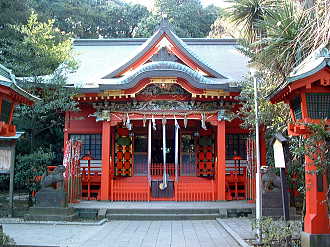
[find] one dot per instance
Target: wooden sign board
(278, 154)
(5, 159)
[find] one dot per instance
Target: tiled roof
(316, 61)
(7, 79)
(97, 57)
(102, 60)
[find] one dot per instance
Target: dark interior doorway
(157, 145)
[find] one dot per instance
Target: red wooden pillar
(316, 217)
(221, 159)
(105, 178)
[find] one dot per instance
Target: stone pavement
(241, 226)
(49, 235)
(205, 233)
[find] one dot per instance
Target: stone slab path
(205, 233)
(242, 226)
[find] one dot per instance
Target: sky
(149, 3)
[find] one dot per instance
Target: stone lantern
(307, 91)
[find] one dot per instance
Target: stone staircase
(163, 213)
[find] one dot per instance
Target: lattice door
(205, 155)
(123, 153)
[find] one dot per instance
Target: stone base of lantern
(314, 240)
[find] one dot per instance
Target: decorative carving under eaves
(161, 106)
(163, 89)
(163, 55)
(101, 115)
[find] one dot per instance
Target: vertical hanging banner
(5, 159)
(67, 156)
(71, 161)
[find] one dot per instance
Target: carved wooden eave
(161, 109)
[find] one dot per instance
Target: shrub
(279, 233)
(5, 239)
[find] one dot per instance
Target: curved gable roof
(145, 50)
(168, 69)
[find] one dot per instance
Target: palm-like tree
(248, 14)
(290, 31)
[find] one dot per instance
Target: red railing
(130, 189)
(90, 178)
(191, 190)
(236, 182)
(158, 169)
(186, 189)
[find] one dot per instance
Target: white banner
(5, 159)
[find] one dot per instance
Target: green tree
(290, 32)
(14, 12)
(38, 49)
(30, 166)
(93, 18)
(222, 28)
(248, 14)
(44, 122)
(188, 18)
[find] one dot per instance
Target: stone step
(162, 216)
(163, 211)
(88, 213)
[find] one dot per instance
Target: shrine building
(155, 119)
(10, 96)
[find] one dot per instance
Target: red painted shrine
(307, 91)
(157, 127)
(10, 95)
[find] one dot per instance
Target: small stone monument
(51, 200)
(272, 202)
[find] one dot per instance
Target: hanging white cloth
(203, 121)
(153, 122)
(128, 122)
(149, 152)
(176, 152)
(163, 185)
(185, 121)
(144, 120)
